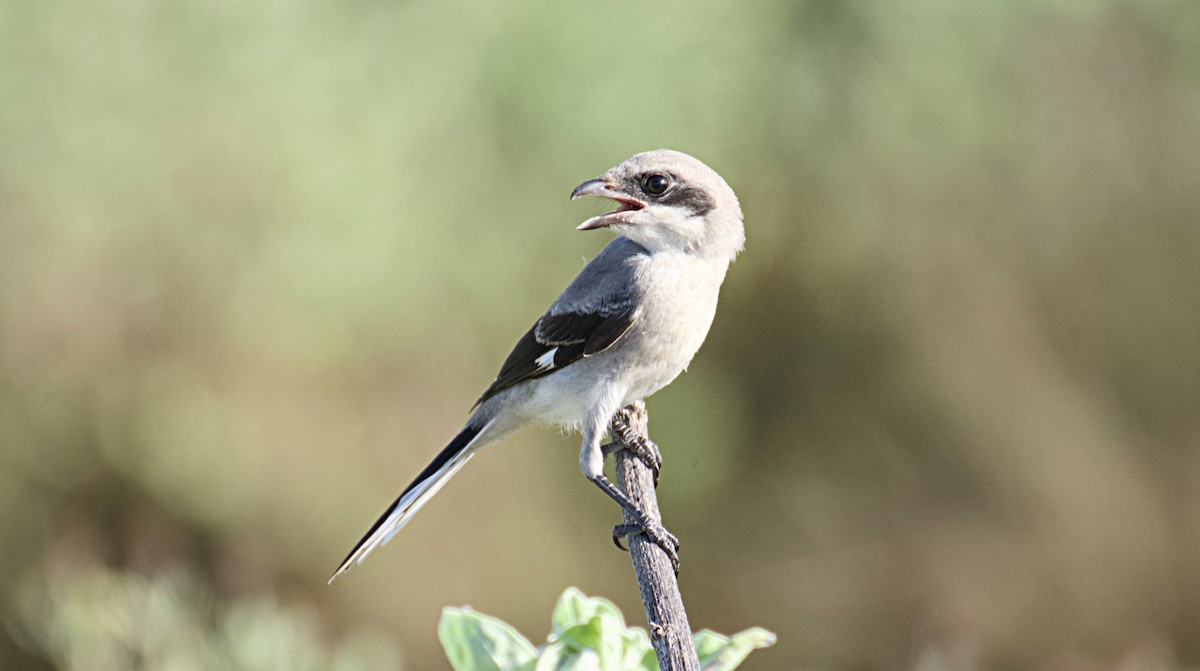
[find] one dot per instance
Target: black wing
(557, 341)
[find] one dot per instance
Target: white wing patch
(546, 361)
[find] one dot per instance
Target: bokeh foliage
(102, 620)
(256, 260)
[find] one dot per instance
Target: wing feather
(589, 317)
(571, 336)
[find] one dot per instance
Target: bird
(624, 328)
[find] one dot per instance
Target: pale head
(669, 201)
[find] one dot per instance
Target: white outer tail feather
(408, 505)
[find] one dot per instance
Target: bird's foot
(640, 445)
(650, 458)
(657, 534)
(642, 523)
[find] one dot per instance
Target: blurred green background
(258, 259)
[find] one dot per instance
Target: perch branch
(669, 629)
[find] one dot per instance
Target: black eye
(656, 185)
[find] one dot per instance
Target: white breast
(673, 320)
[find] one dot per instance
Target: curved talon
(657, 534)
(650, 457)
(622, 531)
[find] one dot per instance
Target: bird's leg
(591, 462)
(640, 445)
(642, 523)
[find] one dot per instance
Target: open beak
(603, 189)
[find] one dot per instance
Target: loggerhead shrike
(623, 329)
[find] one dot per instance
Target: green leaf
(593, 624)
(585, 660)
(612, 642)
(574, 607)
(722, 653)
(553, 656)
(588, 634)
(581, 636)
(649, 661)
(477, 642)
(568, 612)
(639, 653)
